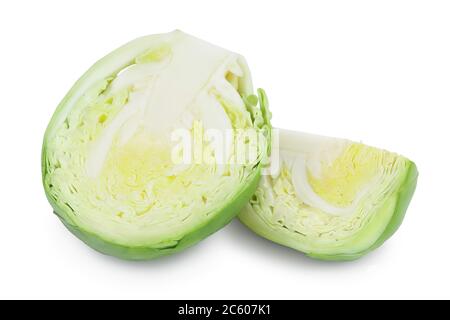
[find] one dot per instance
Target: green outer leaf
(264, 105)
(404, 196)
(402, 199)
(221, 218)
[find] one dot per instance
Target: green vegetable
(162, 142)
(108, 158)
(330, 198)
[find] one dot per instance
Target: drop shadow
(244, 237)
(198, 251)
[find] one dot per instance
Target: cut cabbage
(332, 199)
(108, 154)
(117, 175)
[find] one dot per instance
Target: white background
(376, 71)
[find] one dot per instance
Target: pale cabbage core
(109, 162)
(327, 189)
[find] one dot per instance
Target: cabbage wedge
(108, 153)
(332, 199)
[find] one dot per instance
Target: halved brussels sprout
(332, 199)
(108, 154)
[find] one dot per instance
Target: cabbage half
(107, 159)
(332, 199)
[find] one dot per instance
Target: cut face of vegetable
(332, 199)
(108, 154)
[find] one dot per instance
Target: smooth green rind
(221, 218)
(401, 199)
